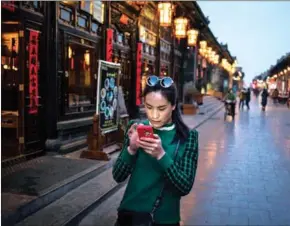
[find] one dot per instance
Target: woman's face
(158, 109)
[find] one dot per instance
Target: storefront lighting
(216, 59)
(203, 44)
(192, 37)
(103, 13)
(180, 27)
(288, 68)
(87, 58)
(69, 52)
(202, 49)
(165, 13)
(208, 52)
(142, 33)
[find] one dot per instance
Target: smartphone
(145, 131)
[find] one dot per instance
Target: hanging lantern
(203, 44)
(165, 13)
(216, 59)
(192, 37)
(180, 27)
(202, 49)
(208, 52)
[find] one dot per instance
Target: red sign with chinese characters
(9, 5)
(138, 73)
(33, 72)
(109, 45)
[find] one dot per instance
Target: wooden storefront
(78, 38)
(24, 46)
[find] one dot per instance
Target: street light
(180, 27)
(165, 13)
(192, 37)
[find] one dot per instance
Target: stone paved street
(244, 170)
(243, 174)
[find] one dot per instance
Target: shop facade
(280, 74)
(24, 45)
(50, 53)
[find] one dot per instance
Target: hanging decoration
(165, 10)
(180, 25)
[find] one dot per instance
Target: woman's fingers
(149, 152)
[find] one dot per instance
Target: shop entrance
(21, 99)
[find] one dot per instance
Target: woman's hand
(152, 146)
(133, 137)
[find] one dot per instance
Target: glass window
(9, 65)
(80, 81)
(33, 5)
(66, 15)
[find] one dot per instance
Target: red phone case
(145, 131)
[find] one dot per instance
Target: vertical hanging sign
(109, 45)
(33, 72)
(138, 73)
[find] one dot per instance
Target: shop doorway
(21, 108)
(11, 105)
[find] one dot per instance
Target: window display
(79, 79)
(9, 66)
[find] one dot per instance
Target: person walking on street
(264, 95)
(242, 97)
(161, 169)
(230, 99)
(275, 96)
(248, 98)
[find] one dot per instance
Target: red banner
(138, 73)
(9, 5)
(109, 45)
(33, 72)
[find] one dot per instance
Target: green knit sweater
(148, 175)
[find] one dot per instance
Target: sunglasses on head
(165, 82)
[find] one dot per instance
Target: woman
(264, 95)
(162, 169)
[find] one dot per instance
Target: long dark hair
(170, 93)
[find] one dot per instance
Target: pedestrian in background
(264, 96)
(242, 97)
(248, 98)
(275, 95)
(161, 170)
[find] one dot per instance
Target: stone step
(55, 192)
(78, 202)
(106, 213)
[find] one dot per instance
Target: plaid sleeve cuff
(127, 157)
(165, 162)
